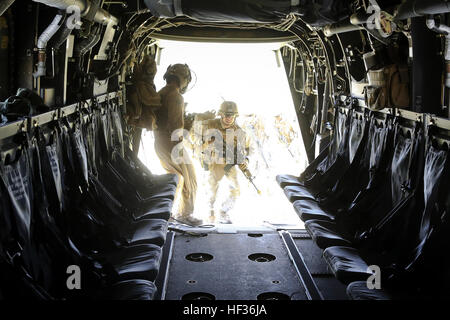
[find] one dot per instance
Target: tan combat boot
(224, 218)
(212, 216)
(190, 220)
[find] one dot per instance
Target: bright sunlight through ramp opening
(253, 76)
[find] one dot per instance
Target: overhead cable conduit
(89, 10)
(417, 8)
(88, 43)
(61, 35)
(445, 30)
(42, 44)
(84, 6)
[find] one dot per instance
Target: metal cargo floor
(244, 266)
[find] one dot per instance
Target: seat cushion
(135, 289)
(152, 231)
(309, 209)
(154, 209)
(358, 290)
(170, 178)
(160, 191)
(325, 234)
(285, 180)
(298, 192)
(346, 264)
(134, 262)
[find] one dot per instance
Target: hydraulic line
(61, 35)
(415, 8)
(42, 44)
(84, 6)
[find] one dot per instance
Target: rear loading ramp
(245, 266)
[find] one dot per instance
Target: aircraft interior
(363, 180)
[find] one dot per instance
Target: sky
(249, 75)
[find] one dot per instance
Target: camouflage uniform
(143, 100)
(217, 168)
(285, 130)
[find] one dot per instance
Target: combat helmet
(229, 108)
(182, 73)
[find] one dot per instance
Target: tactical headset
(181, 72)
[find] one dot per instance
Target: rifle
(250, 178)
(246, 173)
(189, 118)
(228, 167)
(284, 140)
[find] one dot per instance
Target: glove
(244, 165)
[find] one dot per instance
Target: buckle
(13, 251)
(405, 187)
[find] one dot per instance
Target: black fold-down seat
(384, 197)
(167, 190)
(358, 290)
(325, 234)
(285, 180)
(134, 262)
(313, 178)
(310, 209)
(155, 209)
(146, 231)
(298, 192)
(165, 179)
(136, 289)
(346, 264)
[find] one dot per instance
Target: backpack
(25, 103)
(388, 88)
(142, 98)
